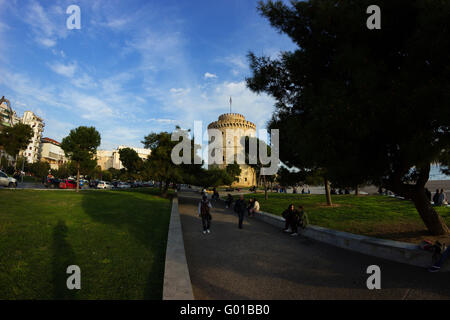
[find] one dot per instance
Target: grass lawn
(378, 216)
(117, 238)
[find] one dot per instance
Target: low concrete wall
(387, 249)
(177, 282)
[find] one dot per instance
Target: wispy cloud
(208, 75)
(64, 70)
(47, 26)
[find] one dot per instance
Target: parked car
(93, 184)
(137, 184)
(7, 181)
(68, 184)
(147, 184)
(104, 185)
(123, 185)
(52, 183)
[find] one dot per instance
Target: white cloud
(44, 24)
(84, 82)
(46, 42)
(210, 75)
(161, 120)
(157, 50)
(180, 91)
(64, 70)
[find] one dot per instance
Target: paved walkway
(261, 262)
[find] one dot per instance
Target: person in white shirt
(254, 207)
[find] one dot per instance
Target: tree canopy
(80, 146)
(16, 138)
(130, 160)
(367, 105)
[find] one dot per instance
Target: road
(261, 262)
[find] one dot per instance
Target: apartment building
(111, 158)
(51, 152)
(31, 153)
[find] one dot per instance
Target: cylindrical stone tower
(240, 127)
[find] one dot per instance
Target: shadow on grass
(145, 219)
(63, 256)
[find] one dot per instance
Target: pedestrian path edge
(177, 281)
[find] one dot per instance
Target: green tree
(215, 177)
(107, 175)
(255, 163)
(130, 160)
(286, 177)
(234, 171)
(40, 169)
(115, 173)
(367, 103)
(16, 138)
(64, 171)
(159, 164)
(81, 146)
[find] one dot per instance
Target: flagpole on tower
(231, 101)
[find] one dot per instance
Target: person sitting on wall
(294, 218)
(254, 207)
(442, 198)
(437, 266)
(291, 215)
(436, 198)
(249, 206)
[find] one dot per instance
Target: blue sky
(135, 67)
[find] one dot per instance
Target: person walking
(229, 201)
(204, 211)
(240, 207)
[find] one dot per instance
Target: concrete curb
(386, 249)
(177, 282)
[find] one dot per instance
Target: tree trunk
(78, 176)
(327, 191)
(356, 190)
(433, 221)
(166, 186)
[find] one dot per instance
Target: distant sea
(436, 174)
